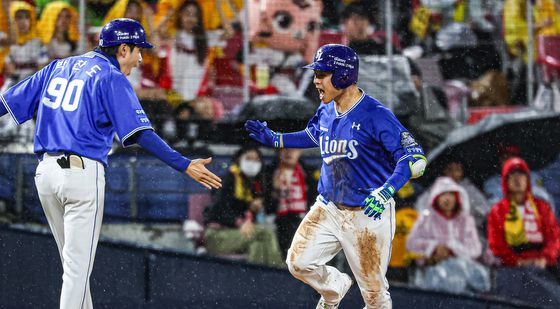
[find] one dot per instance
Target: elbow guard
(417, 165)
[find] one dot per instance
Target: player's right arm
(307, 138)
(22, 99)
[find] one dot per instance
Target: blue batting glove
(377, 201)
(262, 134)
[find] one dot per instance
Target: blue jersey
(360, 148)
(80, 103)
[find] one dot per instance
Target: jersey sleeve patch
(407, 140)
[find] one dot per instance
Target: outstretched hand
(198, 171)
(262, 134)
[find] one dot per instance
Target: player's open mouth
(321, 93)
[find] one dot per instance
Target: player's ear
(122, 50)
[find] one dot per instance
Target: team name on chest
(332, 149)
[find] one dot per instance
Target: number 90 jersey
(81, 102)
(360, 148)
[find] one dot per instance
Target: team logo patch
(407, 140)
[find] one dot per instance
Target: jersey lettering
(337, 149)
(93, 70)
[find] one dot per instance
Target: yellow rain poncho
(547, 11)
(4, 27)
(210, 14)
(515, 25)
(49, 17)
(22, 38)
(119, 9)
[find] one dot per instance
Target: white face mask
(249, 167)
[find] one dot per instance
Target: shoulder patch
(407, 140)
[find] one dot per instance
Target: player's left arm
(150, 141)
(307, 138)
(406, 153)
(133, 126)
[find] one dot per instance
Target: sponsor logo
(356, 126)
(323, 129)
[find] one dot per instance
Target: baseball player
(367, 156)
(81, 103)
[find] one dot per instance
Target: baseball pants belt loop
(339, 206)
(350, 208)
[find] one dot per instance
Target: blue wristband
(277, 140)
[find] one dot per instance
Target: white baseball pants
(73, 200)
(325, 230)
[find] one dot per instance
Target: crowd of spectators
(194, 75)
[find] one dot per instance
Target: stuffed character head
(287, 25)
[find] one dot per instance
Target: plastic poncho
(515, 25)
(547, 11)
(210, 15)
(4, 28)
(457, 233)
(118, 10)
(22, 38)
(49, 17)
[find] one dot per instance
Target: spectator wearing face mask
(231, 225)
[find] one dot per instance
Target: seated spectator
(208, 108)
(144, 80)
(493, 185)
(4, 37)
(522, 229)
(184, 130)
(547, 17)
(479, 204)
(27, 54)
(515, 38)
(58, 28)
(445, 227)
(186, 54)
(358, 30)
(293, 190)
(230, 221)
(445, 236)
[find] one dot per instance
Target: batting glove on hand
(377, 201)
(262, 134)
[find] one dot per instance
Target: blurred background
(475, 81)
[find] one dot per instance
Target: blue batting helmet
(123, 30)
(341, 60)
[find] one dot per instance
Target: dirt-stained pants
(327, 229)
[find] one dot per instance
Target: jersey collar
(351, 108)
(111, 59)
